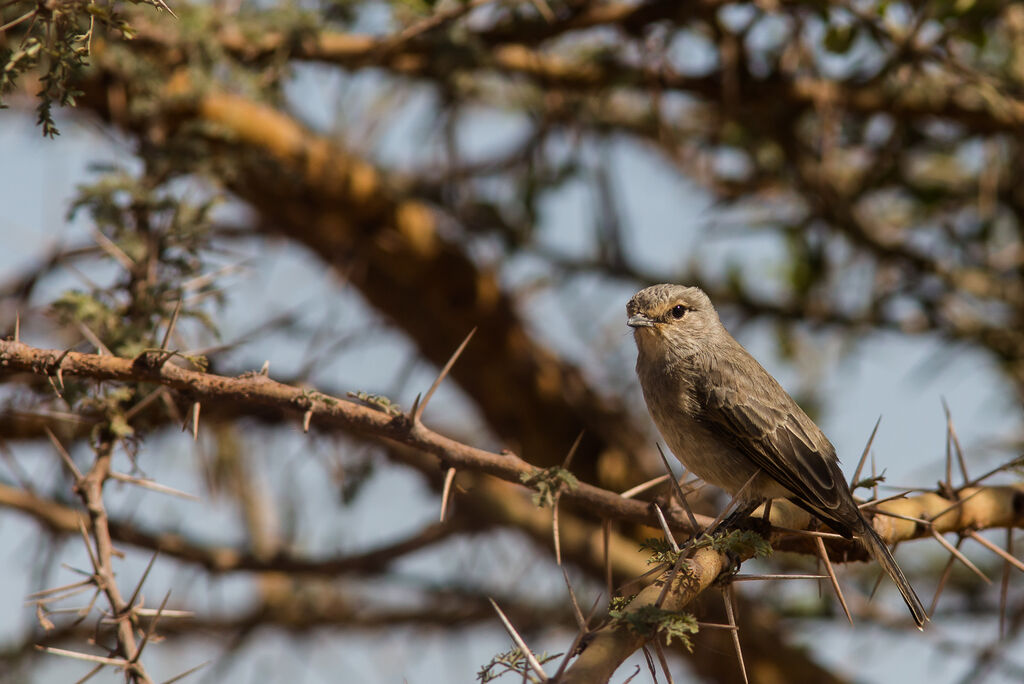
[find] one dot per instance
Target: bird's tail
(880, 551)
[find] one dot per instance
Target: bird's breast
(676, 411)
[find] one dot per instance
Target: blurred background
(338, 192)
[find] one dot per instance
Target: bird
(731, 423)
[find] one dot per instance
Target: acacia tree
(874, 145)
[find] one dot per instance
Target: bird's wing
(759, 419)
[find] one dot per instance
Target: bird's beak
(639, 321)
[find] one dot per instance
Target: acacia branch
(90, 488)
(258, 390)
(615, 642)
(982, 507)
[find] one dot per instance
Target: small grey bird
(728, 420)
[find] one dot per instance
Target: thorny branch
(979, 507)
(90, 488)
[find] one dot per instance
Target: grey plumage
(728, 420)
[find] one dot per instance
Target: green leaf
(662, 551)
(378, 401)
(743, 543)
(548, 482)
(651, 621)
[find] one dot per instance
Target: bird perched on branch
(733, 425)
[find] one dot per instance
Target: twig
(449, 478)
(678, 490)
(142, 580)
(735, 497)
(94, 340)
(606, 531)
(195, 421)
(959, 556)
(864, 454)
(153, 485)
(64, 455)
(956, 442)
(943, 578)
(663, 661)
(572, 450)
(153, 623)
(90, 490)
(581, 622)
(664, 528)
(1013, 462)
(150, 612)
(170, 326)
(643, 487)
(555, 532)
(875, 502)
(186, 673)
(823, 554)
(749, 578)
(994, 548)
(730, 613)
(874, 478)
(527, 653)
(955, 504)
(143, 403)
(899, 516)
(116, 662)
(1004, 585)
(417, 411)
(715, 625)
(650, 663)
(48, 595)
(810, 533)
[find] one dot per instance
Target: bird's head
(671, 319)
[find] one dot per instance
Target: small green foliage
(157, 241)
(109, 405)
(513, 660)
(619, 603)
(651, 622)
(119, 426)
(548, 482)
(869, 482)
(55, 39)
(661, 549)
(742, 543)
(378, 401)
(88, 309)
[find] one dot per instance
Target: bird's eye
(678, 311)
